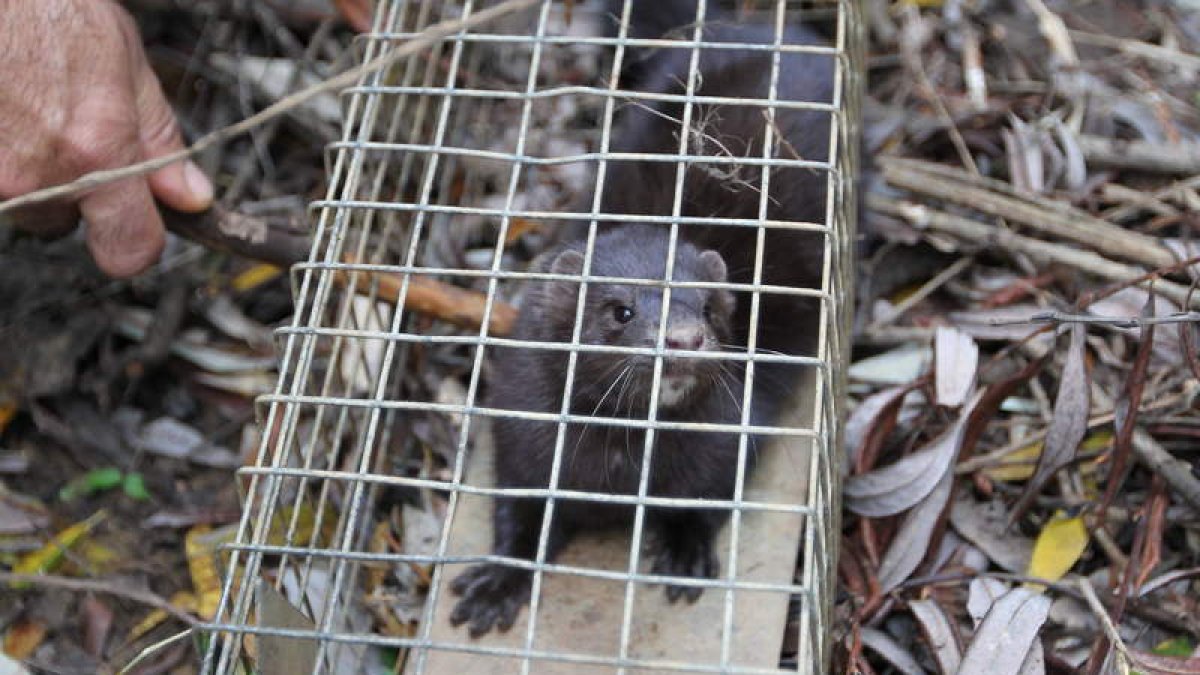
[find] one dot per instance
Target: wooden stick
(999, 199)
(1181, 158)
(459, 306)
(254, 238)
(144, 597)
(923, 217)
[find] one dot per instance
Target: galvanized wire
(403, 169)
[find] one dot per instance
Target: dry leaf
(898, 366)
(48, 557)
(981, 413)
(1007, 633)
(97, 622)
(20, 514)
(912, 540)
(1127, 410)
(1058, 547)
(867, 416)
(201, 559)
(939, 634)
(255, 276)
(883, 644)
(182, 600)
(23, 637)
(357, 13)
(985, 525)
(1155, 664)
(1068, 425)
(900, 485)
(957, 358)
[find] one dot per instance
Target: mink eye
(623, 314)
(708, 311)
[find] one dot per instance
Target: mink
(606, 458)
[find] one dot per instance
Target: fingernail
(198, 184)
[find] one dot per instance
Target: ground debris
(1055, 145)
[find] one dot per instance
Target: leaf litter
(998, 132)
(1017, 105)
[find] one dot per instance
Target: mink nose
(685, 337)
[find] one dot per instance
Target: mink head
(628, 315)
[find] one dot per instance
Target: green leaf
(135, 487)
(1180, 647)
(90, 483)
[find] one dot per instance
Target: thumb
(182, 185)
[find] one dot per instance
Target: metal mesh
(445, 153)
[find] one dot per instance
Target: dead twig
(1138, 48)
(1002, 200)
(1055, 32)
(1114, 321)
(1110, 631)
(1181, 158)
(979, 233)
(916, 66)
(459, 306)
(1175, 191)
(997, 457)
(144, 597)
(923, 292)
(1155, 457)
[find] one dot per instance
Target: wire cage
(459, 167)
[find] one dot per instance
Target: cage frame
(316, 282)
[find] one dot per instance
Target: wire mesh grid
(454, 168)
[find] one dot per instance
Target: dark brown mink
(787, 324)
(606, 458)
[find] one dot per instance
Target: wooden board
(582, 615)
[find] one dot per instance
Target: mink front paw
(686, 559)
(491, 595)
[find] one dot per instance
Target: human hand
(78, 95)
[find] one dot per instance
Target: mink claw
(492, 596)
(698, 562)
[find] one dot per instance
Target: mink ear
(569, 261)
(714, 266)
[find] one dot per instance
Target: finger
(181, 185)
(125, 232)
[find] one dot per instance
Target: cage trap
(461, 168)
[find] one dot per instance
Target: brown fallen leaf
(97, 622)
(1067, 427)
(357, 13)
(1127, 411)
(993, 396)
(23, 637)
